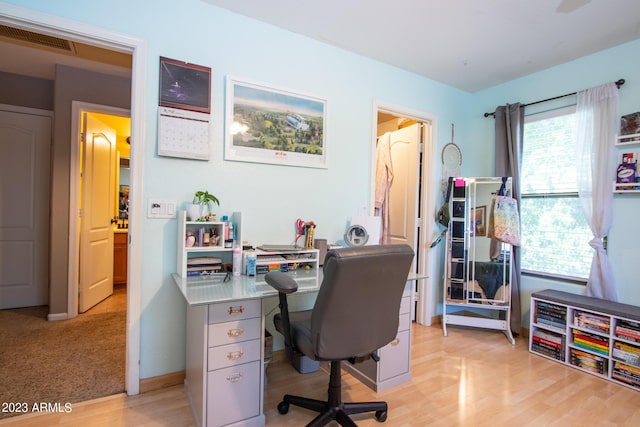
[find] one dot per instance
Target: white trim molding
(57, 26)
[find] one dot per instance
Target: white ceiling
(467, 44)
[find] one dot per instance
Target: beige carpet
(58, 362)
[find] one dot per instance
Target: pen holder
(308, 241)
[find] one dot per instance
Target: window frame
(533, 117)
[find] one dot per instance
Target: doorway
(407, 125)
(83, 292)
(39, 22)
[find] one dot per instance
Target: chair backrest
(358, 304)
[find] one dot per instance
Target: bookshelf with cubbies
(596, 336)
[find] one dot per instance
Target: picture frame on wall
(266, 124)
(479, 217)
(185, 86)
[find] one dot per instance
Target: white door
(25, 144)
(97, 201)
(403, 194)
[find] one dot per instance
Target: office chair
(356, 312)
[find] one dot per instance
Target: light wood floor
(470, 378)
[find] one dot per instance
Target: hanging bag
(504, 221)
(443, 215)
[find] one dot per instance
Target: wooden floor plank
(470, 378)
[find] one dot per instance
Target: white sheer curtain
(597, 123)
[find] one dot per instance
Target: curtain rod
(619, 83)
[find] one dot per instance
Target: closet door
(25, 142)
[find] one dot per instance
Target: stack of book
(551, 314)
(626, 353)
(266, 268)
(591, 342)
(548, 343)
(627, 374)
(628, 330)
(588, 361)
(203, 266)
(591, 321)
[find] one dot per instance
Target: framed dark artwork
(185, 86)
(265, 124)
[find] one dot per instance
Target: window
(555, 234)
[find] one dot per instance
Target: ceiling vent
(36, 38)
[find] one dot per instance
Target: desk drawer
(394, 357)
(405, 305)
(224, 356)
(224, 312)
(405, 322)
(233, 394)
(234, 332)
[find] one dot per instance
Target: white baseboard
(53, 317)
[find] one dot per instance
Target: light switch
(158, 208)
(171, 208)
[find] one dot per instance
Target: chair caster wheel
(283, 408)
(381, 416)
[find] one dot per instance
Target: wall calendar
(184, 110)
(183, 133)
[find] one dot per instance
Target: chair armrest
(281, 282)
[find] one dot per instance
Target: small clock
(356, 235)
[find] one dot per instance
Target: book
(206, 261)
(591, 321)
(630, 124)
(626, 173)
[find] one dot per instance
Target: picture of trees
(275, 126)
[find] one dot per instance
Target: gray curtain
(509, 129)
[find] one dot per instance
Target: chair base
(334, 408)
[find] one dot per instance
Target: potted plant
(202, 202)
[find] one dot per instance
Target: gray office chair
(356, 313)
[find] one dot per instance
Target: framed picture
(273, 125)
(123, 202)
(185, 86)
(478, 218)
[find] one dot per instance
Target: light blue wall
(607, 66)
(270, 197)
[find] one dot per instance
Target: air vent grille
(31, 37)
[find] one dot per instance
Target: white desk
(225, 346)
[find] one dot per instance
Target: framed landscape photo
(185, 86)
(265, 124)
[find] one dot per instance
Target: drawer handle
(235, 355)
(236, 310)
(235, 377)
(395, 342)
(235, 332)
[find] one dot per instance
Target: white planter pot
(194, 212)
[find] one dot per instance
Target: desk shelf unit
(592, 335)
(286, 261)
(200, 251)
